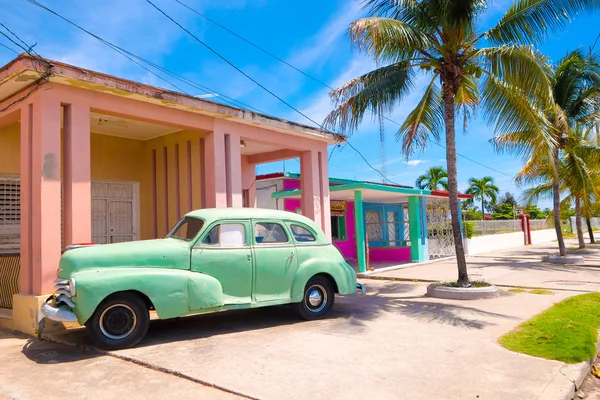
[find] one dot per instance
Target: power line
(129, 55)
(8, 48)
(315, 79)
(232, 64)
(258, 83)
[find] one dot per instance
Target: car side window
(267, 232)
(226, 235)
(302, 234)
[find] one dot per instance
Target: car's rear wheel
(318, 299)
(119, 322)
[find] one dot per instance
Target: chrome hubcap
(316, 298)
(118, 321)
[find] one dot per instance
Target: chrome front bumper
(57, 314)
(361, 287)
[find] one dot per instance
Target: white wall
(264, 190)
(484, 244)
(546, 235)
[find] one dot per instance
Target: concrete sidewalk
(34, 369)
(520, 266)
(393, 343)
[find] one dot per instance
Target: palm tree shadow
(373, 306)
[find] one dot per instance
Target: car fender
(171, 291)
(343, 275)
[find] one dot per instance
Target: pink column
(249, 181)
(76, 167)
(40, 193)
(324, 191)
(215, 187)
(311, 202)
(233, 170)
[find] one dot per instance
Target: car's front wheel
(119, 322)
(318, 298)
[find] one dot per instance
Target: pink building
(88, 157)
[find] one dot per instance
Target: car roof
(212, 214)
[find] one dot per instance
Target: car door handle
(249, 257)
(291, 256)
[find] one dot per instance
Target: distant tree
(435, 178)
(547, 211)
(535, 212)
(483, 189)
(471, 215)
(504, 211)
(508, 198)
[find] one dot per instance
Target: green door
(225, 253)
(275, 261)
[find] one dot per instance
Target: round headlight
(72, 286)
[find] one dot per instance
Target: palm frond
(531, 21)
(518, 121)
(521, 67)
(376, 91)
(424, 122)
(542, 192)
(387, 40)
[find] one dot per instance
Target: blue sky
(308, 34)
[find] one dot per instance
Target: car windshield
(186, 229)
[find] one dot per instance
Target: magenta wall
(348, 247)
(389, 254)
(291, 204)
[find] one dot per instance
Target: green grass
(517, 290)
(473, 284)
(541, 291)
(532, 291)
(565, 332)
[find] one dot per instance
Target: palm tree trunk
(556, 205)
(588, 222)
(448, 97)
(482, 209)
(579, 224)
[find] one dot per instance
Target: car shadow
(351, 314)
(45, 352)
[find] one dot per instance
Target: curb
(568, 380)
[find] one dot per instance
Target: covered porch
(377, 225)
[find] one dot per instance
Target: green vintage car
(212, 260)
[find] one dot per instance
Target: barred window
(10, 214)
(387, 225)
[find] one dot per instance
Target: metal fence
(495, 227)
(594, 220)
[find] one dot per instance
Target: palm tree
(579, 166)
(575, 85)
(483, 188)
(434, 177)
(439, 39)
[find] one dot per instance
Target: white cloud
(320, 45)
(414, 163)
